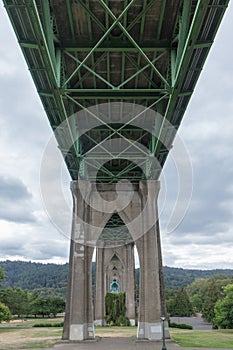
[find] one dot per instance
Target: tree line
(15, 301)
(51, 279)
(211, 296)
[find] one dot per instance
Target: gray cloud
(40, 248)
(15, 201)
(13, 189)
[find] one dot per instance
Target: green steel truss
(82, 53)
(115, 231)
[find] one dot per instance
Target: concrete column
(130, 284)
(99, 304)
(141, 218)
(148, 245)
(78, 323)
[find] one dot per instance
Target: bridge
(115, 78)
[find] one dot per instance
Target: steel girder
(85, 52)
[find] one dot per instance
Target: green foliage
(59, 324)
(180, 325)
(214, 293)
(204, 293)
(170, 296)
(17, 300)
(176, 278)
(5, 314)
(1, 275)
(224, 309)
(26, 303)
(47, 306)
(197, 291)
(180, 304)
(35, 276)
(116, 309)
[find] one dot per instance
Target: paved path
(121, 344)
(115, 344)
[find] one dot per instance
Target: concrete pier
(115, 259)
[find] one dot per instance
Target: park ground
(20, 334)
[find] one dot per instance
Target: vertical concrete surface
(140, 215)
(78, 323)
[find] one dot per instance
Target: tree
(197, 291)
(40, 306)
(16, 300)
(214, 293)
(56, 305)
(5, 314)
(1, 275)
(170, 296)
(224, 309)
(180, 305)
(204, 293)
(46, 306)
(116, 309)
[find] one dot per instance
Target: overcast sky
(204, 238)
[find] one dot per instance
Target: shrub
(60, 324)
(5, 314)
(180, 325)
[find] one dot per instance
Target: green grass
(28, 337)
(203, 339)
(30, 322)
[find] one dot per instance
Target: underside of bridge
(115, 78)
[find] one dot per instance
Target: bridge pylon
(138, 210)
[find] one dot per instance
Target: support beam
(151, 282)
(78, 324)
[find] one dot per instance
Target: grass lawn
(203, 339)
(30, 338)
(19, 335)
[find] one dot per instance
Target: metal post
(163, 333)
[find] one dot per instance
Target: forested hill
(35, 276)
(175, 278)
(31, 276)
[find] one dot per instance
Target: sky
(31, 229)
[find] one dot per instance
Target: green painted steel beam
(134, 43)
(70, 18)
(107, 32)
(116, 46)
(119, 46)
(103, 94)
(139, 70)
(48, 30)
(161, 18)
(92, 71)
(117, 90)
(163, 72)
(183, 66)
(183, 30)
